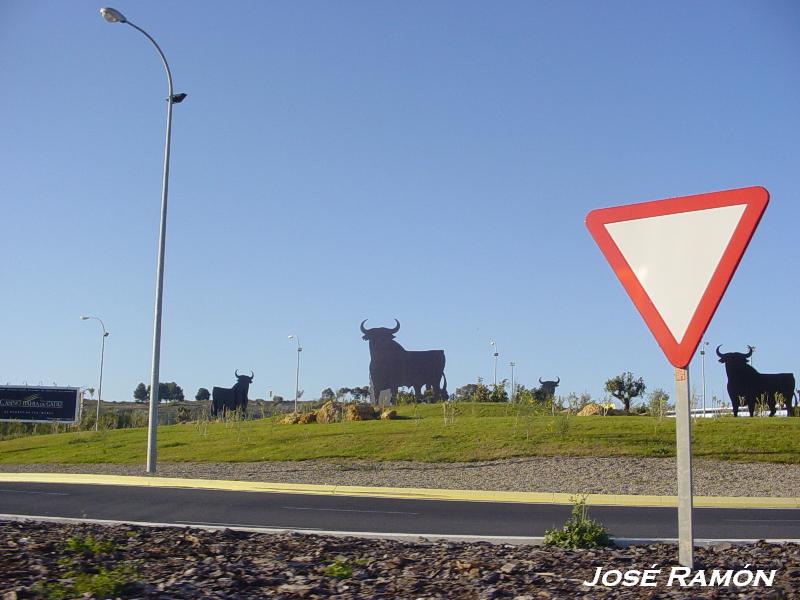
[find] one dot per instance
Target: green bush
(341, 569)
(579, 531)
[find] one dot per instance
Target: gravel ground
(66, 561)
(574, 475)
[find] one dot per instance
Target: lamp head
(291, 337)
(84, 318)
(112, 15)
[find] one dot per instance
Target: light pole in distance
(512, 364)
(493, 344)
(703, 371)
(102, 357)
(297, 372)
(114, 16)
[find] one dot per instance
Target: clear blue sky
(432, 162)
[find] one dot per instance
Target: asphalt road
(375, 515)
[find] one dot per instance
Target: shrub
(579, 531)
(341, 569)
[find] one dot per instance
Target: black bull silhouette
(225, 399)
(549, 387)
(391, 366)
(748, 385)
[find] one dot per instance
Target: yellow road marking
(395, 492)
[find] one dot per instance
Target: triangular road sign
(676, 257)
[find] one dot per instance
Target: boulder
(331, 412)
(389, 414)
(359, 412)
(290, 419)
(590, 409)
(306, 418)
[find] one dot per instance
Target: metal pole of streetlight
(493, 344)
(102, 357)
(703, 368)
(297, 372)
(114, 16)
(513, 364)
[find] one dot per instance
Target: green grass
(475, 432)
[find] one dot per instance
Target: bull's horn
(397, 327)
(252, 374)
(749, 351)
(540, 380)
(364, 331)
(558, 379)
(236, 372)
(718, 352)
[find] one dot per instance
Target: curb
(406, 537)
(398, 493)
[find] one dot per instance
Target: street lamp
(102, 356)
(114, 16)
(493, 344)
(513, 364)
(703, 370)
(297, 372)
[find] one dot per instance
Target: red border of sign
(679, 353)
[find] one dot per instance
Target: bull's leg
(418, 393)
(437, 392)
(751, 407)
(735, 406)
(393, 397)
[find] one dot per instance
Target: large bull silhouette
(391, 366)
(747, 384)
(225, 399)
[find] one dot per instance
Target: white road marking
(241, 525)
(30, 492)
(381, 512)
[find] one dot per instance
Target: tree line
(624, 387)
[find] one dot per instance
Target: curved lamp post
(114, 16)
(297, 373)
(102, 356)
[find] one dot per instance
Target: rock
(359, 412)
(387, 415)
(290, 419)
(306, 418)
(508, 567)
(331, 412)
(590, 409)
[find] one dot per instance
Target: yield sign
(676, 257)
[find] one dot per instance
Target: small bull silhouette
(747, 384)
(225, 399)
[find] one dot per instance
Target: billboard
(39, 404)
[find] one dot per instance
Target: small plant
(579, 531)
(560, 425)
(341, 569)
(89, 545)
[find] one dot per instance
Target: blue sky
(432, 162)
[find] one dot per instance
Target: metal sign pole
(683, 435)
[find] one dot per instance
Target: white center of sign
(674, 256)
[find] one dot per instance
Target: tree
(202, 394)
(624, 388)
(140, 394)
(277, 399)
(174, 392)
(342, 392)
(168, 391)
(498, 393)
(327, 394)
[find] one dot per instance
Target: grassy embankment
(472, 432)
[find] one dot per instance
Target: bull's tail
(445, 395)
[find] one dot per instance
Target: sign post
(675, 259)
(683, 440)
